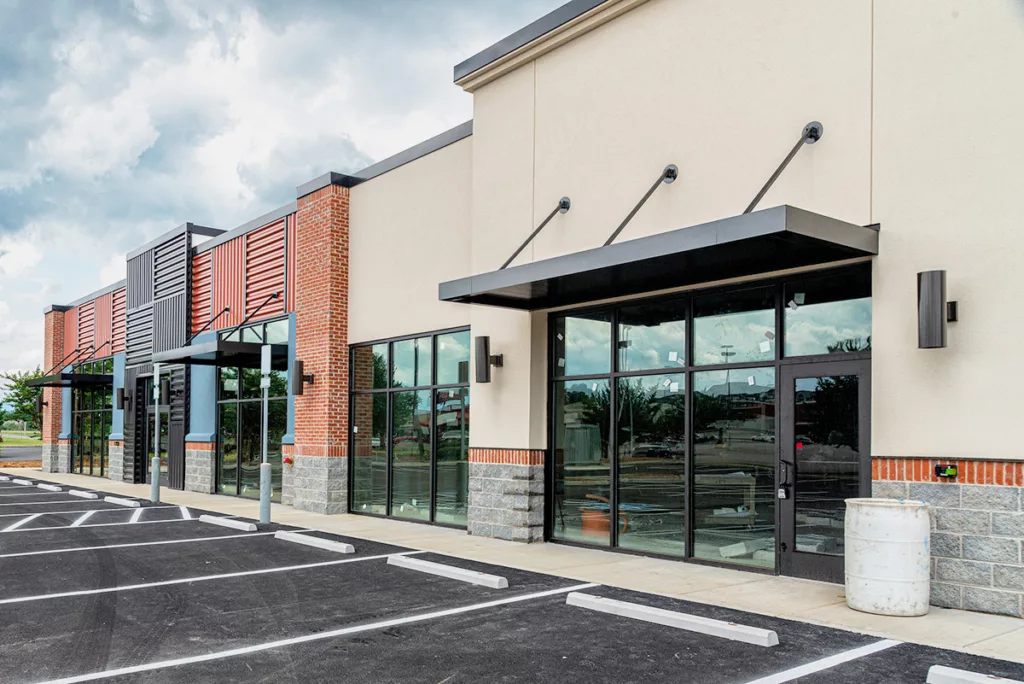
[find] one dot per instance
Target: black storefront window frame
(101, 366)
(261, 326)
(686, 298)
(433, 388)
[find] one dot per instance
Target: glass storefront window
(651, 428)
(227, 446)
(453, 358)
(410, 447)
(92, 415)
(582, 344)
(276, 332)
(370, 367)
(734, 466)
(228, 383)
(370, 453)
(451, 406)
(734, 327)
(582, 484)
(652, 336)
(410, 454)
(828, 314)
(412, 363)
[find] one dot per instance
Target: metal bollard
(265, 491)
(154, 477)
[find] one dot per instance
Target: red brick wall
(507, 456)
(321, 305)
(1009, 473)
(53, 352)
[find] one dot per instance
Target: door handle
(784, 475)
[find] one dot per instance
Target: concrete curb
(451, 572)
(50, 487)
(4, 478)
(131, 503)
(670, 618)
(22, 482)
(226, 522)
(83, 495)
(318, 542)
(938, 674)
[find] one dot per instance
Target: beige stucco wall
(722, 90)
(948, 181)
(409, 231)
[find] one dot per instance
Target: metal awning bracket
(811, 134)
(563, 206)
(668, 175)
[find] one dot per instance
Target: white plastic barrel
(887, 556)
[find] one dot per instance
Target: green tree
(19, 397)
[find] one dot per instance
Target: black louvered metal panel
(170, 318)
(139, 336)
(170, 267)
(133, 426)
(176, 455)
(140, 280)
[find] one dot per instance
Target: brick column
(320, 476)
(56, 453)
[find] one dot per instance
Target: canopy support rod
(208, 324)
(563, 206)
(270, 298)
(670, 173)
(811, 134)
(61, 364)
(75, 360)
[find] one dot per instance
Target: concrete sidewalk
(814, 602)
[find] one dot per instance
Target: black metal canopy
(759, 242)
(71, 380)
(223, 353)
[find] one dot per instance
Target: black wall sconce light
(933, 311)
(484, 359)
(299, 379)
(40, 404)
(122, 399)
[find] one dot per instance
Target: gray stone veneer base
(287, 484)
(976, 543)
(320, 484)
(115, 464)
(200, 470)
(49, 458)
(506, 501)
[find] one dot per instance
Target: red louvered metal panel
(229, 282)
(290, 264)
(117, 321)
(201, 290)
(70, 331)
(264, 270)
(87, 327)
(103, 324)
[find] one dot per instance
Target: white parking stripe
(22, 522)
(344, 631)
(202, 578)
(80, 510)
(826, 663)
(81, 520)
(22, 492)
(185, 515)
(65, 527)
(41, 503)
(134, 544)
(136, 515)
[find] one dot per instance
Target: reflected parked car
(764, 437)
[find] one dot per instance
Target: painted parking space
(180, 600)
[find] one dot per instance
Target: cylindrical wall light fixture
(931, 310)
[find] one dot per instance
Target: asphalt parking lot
(92, 590)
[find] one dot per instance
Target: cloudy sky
(120, 119)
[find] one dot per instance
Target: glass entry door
(823, 460)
